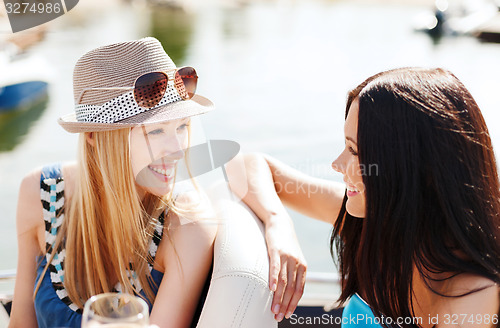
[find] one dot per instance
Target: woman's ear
(89, 136)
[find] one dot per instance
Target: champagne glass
(115, 310)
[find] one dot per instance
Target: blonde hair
(107, 228)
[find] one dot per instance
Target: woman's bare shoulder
(192, 207)
(193, 218)
(468, 283)
(473, 297)
(190, 228)
(69, 173)
(69, 168)
(29, 208)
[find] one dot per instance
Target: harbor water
(277, 71)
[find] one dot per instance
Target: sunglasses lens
(149, 89)
(186, 81)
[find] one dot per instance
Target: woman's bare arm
(186, 256)
(266, 181)
(260, 182)
(29, 219)
(317, 198)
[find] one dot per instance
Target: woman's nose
(174, 148)
(178, 155)
(338, 164)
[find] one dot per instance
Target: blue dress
(52, 305)
(358, 314)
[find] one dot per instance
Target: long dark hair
(433, 204)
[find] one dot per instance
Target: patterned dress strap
(157, 236)
(52, 198)
(153, 248)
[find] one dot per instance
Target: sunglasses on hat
(150, 88)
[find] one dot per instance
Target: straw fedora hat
(103, 81)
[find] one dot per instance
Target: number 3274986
(33, 8)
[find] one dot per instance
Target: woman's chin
(159, 191)
(154, 183)
(355, 211)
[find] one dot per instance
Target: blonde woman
(110, 222)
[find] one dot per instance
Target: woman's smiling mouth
(163, 172)
(351, 190)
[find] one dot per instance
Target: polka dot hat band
(103, 81)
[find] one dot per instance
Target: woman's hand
(287, 266)
(251, 179)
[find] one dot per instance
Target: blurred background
(278, 72)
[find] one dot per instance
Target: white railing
(7, 274)
(316, 277)
(323, 277)
(311, 277)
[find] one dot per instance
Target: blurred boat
(489, 31)
(24, 80)
(458, 17)
(19, 95)
(24, 77)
